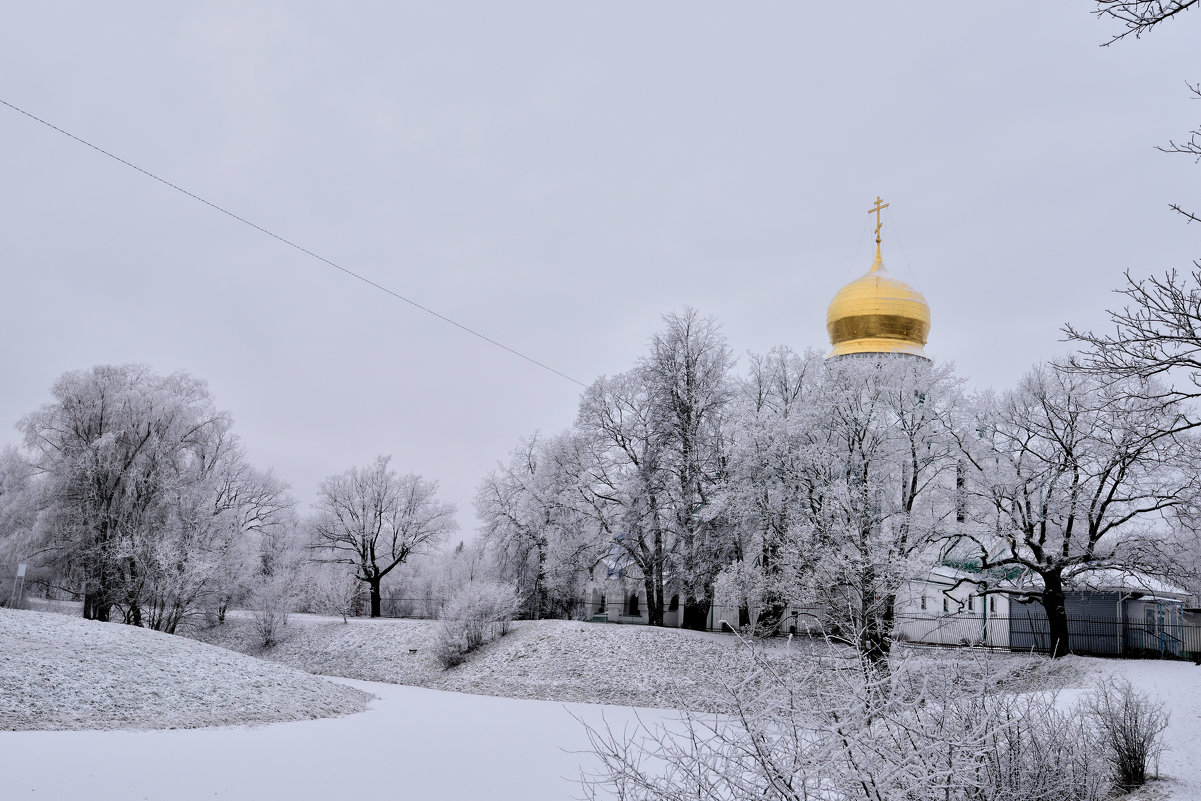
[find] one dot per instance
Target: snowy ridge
(553, 660)
(59, 672)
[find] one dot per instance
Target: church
(876, 315)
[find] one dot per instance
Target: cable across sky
(291, 244)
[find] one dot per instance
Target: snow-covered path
(412, 743)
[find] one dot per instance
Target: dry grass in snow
(59, 672)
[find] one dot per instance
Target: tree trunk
(654, 605)
(659, 600)
(875, 625)
(540, 585)
(696, 613)
(96, 607)
(1057, 614)
(376, 600)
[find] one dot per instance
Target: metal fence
(416, 608)
(1029, 633)
(1086, 636)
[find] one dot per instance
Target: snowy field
(413, 744)
(419, 742)
(59, 672)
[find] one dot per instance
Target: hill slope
(558, 660)
(59, 672)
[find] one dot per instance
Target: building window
(632, 606)
(971, 603)
(992, 603)
(675, 604)
(946, 604)
(923, 601)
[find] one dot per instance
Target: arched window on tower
(674, 605)
(632, 606)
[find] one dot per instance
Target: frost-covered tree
(688, 372)
(530, 510)
(654, 462)
(121, 455)
(253, 517)
(882, 459)
(373, 520)
(1073, 474)
(17, 508)
(624, 482)
(774, 490)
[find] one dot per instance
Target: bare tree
(1158, 333)
(1140, 16)
(1156, 338)
(373, 519)
(1073, 474)
(1187, 147)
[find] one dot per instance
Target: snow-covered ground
(556, 660)
(59, 672)
(413, 743)
(1178, 686)
(417, 742)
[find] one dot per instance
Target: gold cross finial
(880, 206)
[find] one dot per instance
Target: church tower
(878, 313)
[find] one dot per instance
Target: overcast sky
(557, 176)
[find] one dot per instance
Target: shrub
(838, 732)
(272, 601)
(335, 591)
(1129, 725)
(478, 613)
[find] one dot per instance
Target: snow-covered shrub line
(872, 734)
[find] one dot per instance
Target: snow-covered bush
(478, 613)
(334, 590)
(1129, 725)
(271, 603)
(853, 732)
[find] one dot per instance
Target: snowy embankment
(556, 660)
(58, 672)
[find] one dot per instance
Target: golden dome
(878, 314)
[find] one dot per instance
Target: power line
(290, 243)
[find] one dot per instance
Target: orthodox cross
(880, 206)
